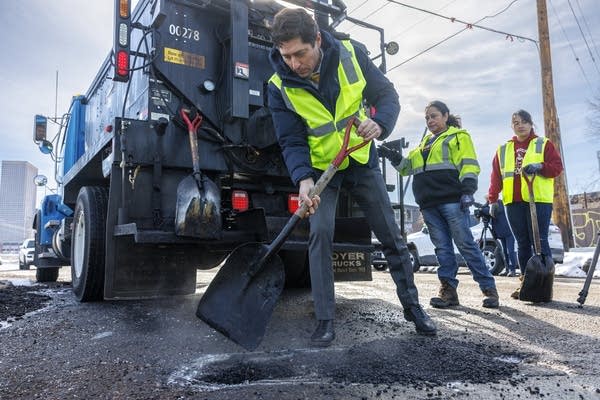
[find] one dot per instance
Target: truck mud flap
(352, 248)
(139, 271)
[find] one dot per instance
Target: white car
(26, 252)
(492, 250)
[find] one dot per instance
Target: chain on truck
(138, 211)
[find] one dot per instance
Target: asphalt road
(52, 347)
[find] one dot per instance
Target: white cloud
(480, 75)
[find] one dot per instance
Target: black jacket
(290, 127)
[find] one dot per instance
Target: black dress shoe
(324, 334)
(423, 323)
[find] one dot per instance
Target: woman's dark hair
(291, 23)
(525, 116)
(443, 108)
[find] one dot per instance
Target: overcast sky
(481, 75)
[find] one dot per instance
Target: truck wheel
(494, 259)
(88, 243)
(46, 274)
(23, 265)
(414, 259)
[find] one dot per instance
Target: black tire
(47, 274)
(494, 258)
(414, 259)
(23, 266)
(88, 243)
(380, 267)
(42, 274)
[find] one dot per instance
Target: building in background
(17, 203)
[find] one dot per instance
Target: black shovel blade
(198, 209)
(239, 304)
(538, 280)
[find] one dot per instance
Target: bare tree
(593, 121)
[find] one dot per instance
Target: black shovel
(240, 299)
(539, 272)
(198, 209)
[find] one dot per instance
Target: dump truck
(170, 161)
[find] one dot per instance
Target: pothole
(418, 362)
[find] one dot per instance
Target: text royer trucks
(133, 218)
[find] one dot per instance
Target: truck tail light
(240, 200)
(293, 202)
(122, 35)
(124, 8)
(122, 66)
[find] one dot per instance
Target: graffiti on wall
(586, 225)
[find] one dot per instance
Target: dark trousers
(519, 219)
(368, 189)
(508, 246)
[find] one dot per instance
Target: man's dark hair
(291, 23)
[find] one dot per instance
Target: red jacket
(551, 168)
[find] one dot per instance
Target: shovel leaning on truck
(241, 297)
(197, 213)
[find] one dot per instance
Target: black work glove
(532, 169)
(393, 155)
(466, 201)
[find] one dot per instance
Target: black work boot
(446, 298)
(324, 334)
(491, 299)
(423, 324)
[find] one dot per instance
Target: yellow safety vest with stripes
(543, 188)
(451, 150)
(326, 131)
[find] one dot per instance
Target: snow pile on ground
(573, 262)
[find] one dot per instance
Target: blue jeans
(368, 189)
(519, 218)
(508, 245)
(445, 223)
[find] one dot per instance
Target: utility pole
(561, 209)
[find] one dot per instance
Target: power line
(583, 36)
(426, 50)
(468, 26)
(589, 31)
(420, 21)
(357, 7)
(377, 10)
(570, 45)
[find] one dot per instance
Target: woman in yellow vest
(535, 156)
(445, 170)
(318, 84)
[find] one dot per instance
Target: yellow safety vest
(452, 150)
(543, 187)
(326, 131)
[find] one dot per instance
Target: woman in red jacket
(534, 157)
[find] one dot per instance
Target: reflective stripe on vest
(460, 158)
(325, 131)
(543, 187)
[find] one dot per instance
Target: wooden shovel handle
(333, 167)
(537, 242)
